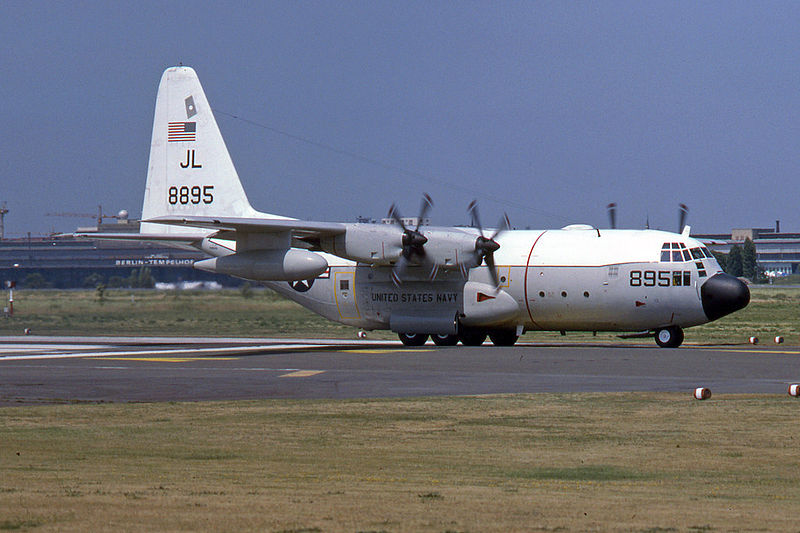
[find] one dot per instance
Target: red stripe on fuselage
(527, 267)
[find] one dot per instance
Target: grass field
(772, 311)
(626, 462)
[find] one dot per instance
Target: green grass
(655, 462)
(773, 310)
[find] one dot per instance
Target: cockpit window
(678, 252)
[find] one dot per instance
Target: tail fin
(190, 171)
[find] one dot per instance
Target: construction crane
(99, 216)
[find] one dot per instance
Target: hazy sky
(546, 110)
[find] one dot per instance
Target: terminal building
(66, 262)
(776, 252)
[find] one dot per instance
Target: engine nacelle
(375, 244)
(382, 244)
(451, 248)
(267, 265)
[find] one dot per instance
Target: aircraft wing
(298, 228)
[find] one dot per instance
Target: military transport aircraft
(448, 283)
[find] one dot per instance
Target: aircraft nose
(722, 294)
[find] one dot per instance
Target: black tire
(670, 337)
(413, 339)
(503, 337)
(444, 340)
(472, 337)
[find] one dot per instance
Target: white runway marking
(235, 350)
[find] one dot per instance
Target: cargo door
(345, 294)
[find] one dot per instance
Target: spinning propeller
(485, 247)
(683, 212)
(413, 242)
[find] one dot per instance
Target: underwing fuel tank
(485, 306)
(267, 265)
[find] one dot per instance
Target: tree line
(741, 261)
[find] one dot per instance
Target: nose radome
(722, 294)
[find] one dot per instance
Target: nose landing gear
(670, 337)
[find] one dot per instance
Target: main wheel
(445, 340)
(670, 337)
(412, 339)
(503, 337)
(472, 337)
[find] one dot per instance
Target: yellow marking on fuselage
(302, 373)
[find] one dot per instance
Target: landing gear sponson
(669, 337)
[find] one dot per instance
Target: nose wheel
(670, 337)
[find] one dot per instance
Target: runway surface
(132, 369)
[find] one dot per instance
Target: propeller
(485, 247)
(683, 211)
(413, 241)
(612, 214)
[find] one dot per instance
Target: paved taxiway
(96, 369)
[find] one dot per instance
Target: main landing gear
(670, 337)
(467, 336)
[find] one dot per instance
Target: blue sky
(545, 110)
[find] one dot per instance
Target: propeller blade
(427, 203)
(683, 211)
(504, 225)
(394, 214)
(472, 208)
(399, 270)
(492, 269)
(612, 214)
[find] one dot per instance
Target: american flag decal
(181, 131)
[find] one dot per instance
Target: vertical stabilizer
(190, 171)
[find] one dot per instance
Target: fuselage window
(344, 284)
(677, 278)
(687, 278)
(701, 270)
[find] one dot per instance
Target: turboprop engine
(267, 265)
